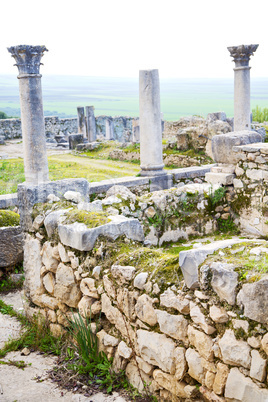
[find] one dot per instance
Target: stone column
(151, 155)
(109, 129)
(90, 124)
(32, 116)
(241, 55)
(81, 121)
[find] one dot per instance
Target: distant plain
(120, 96)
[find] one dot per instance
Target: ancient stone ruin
(192, 323)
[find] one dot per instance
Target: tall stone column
(32, 116)
(109, 125)
(90, 124)
(81, 121)
(241, 55)
(151, 154)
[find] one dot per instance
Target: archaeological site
(166, 269)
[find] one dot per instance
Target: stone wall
(200, 328)
(11, 128)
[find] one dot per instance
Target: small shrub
(9, 218)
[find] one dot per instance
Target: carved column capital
(241, 54)
(27, 58)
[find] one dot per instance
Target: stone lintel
(241, 54)
(27, 58)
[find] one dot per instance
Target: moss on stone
(9, 218)
(90, 219)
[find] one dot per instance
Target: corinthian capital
(27, 58)
(241, 54)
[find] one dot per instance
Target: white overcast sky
(182, 38)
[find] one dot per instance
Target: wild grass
(260, 114)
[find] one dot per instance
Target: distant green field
(119, 96)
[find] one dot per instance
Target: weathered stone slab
(11, 246)
(234, 352)
(254, 298)
(156, 349)
(8, 200)
(80, 237)
(247, 391)
(190, 260)
(222, 145)
(29, 195)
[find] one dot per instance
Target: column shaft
(242, 98)
(151, 154)
(90, 124)
(32, 116)
(81, 121)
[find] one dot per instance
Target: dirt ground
(14, 149)
(32, 384)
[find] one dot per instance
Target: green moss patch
(9, 218)
(90, 219)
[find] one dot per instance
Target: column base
(153, 170)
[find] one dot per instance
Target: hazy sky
(182, 38)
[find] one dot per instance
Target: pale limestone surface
(151, 155)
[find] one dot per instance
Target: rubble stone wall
(205, 334)
(11, 128)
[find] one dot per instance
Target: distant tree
(3, 115)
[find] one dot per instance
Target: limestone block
(32, 267)
(220, 379)
(258, 366)
(56, 330)
(64, 275)
(233, 351)
(254, 342)
(224, 281)
(49, 282)
(145, 311)
(169, 382)
(218, 314)
(122, 191)
(87, 287)
(63, 253)
(150, 212)
(180, 362)
(109, 287)
(111, 200)
(198, 317)
(134, 376)
(51, 316)
(140, 280)
(241, 324)
(157, 349)
(126, 301)
(254, 298)
(124, 351)
(144, 366)
(203, 343)
(52, 221)
(11, 246)
(209, 379)
(225, 179)
(222, 145)
(38, 222)
(116, 318)
(190, 260)
(94, 206)
(50, 262)
(247, 391)
(194, 361)
(123, 274)
(264, 343)
(45, 300)
(172, 325)
(69, 295)
(85, 306)
(106, 343)
(78, 236)
(73, 196)
(238, 183)
(170, 300)
(152, 237)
